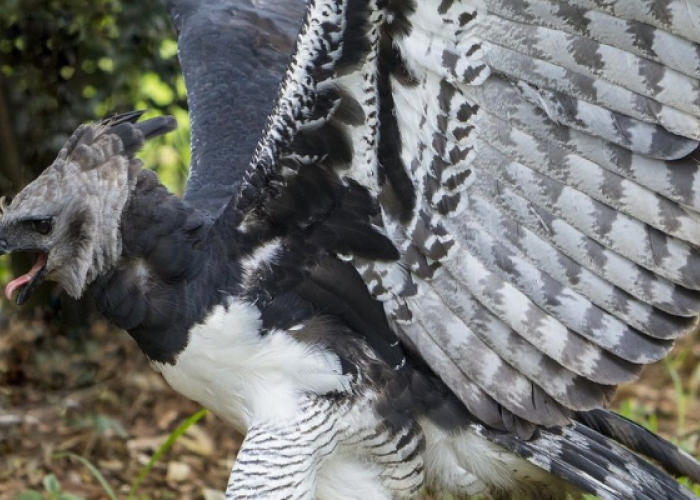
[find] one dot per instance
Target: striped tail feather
(640, 440)
(594, 463)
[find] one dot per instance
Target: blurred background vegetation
(65, 62)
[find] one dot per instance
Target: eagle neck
(171, 275)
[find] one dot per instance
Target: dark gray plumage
(465, 223)
(233, 55)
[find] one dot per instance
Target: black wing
(233, 55)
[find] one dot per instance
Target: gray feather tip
(157, 126)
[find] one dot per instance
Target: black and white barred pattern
(535, 163)
(282, 460)
(311, 454)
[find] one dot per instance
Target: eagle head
(69, 216)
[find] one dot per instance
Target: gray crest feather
(83, 192)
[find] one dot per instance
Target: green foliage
(30, 495)
(671, 363)
(684, 393)
(103, 424)
(695, 488)
(169, 156)
(53, 488)
(174, 436)
(94, 471)
(53, 491)
(639, 413)
(64, 62)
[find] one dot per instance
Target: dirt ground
(94, 394)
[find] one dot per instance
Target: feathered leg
(282, 460)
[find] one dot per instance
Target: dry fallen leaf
(211, 494)
(146, 443)
(178, 472)
(196, 440)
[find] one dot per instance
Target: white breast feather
(243, 376)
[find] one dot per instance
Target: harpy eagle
(464, 224)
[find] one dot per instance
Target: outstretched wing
(534, 161)
(233, 55)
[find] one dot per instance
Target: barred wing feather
(536, 164)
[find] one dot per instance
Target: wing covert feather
(535, 163)
(565, 150)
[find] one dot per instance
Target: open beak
(27, 282)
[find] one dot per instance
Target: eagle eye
(41, 226)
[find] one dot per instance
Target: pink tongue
(25, 278)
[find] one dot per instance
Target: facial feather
(83, 194)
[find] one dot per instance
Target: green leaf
(174, 436)
(153, 87)
(672, 363)
(93, 470)
(168, 48)
(105, 424)
(70, 496)
(30, 495)
(51, 485)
